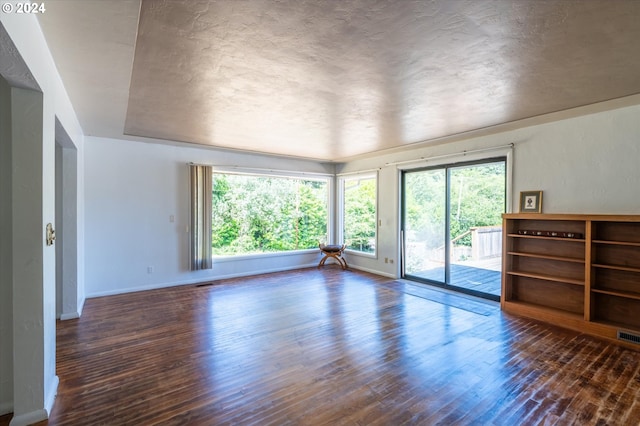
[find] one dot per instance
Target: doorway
(452, 226)
(66, 205)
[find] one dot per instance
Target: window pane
(424, 224)
(476, 204)
(359, 206)
(262, 214)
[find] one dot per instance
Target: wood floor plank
(330, 347)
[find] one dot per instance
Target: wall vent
(628, 337)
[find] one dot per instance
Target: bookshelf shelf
(589, 281)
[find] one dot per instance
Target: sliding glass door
(424, 224)
(452, 225)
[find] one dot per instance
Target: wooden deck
(331, 347)
(482, 277)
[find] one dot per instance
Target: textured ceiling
(331, 79)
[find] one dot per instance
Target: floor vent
(628, 337)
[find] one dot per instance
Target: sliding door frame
(447, 166)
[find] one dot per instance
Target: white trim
(455, 154)
(363, 172)
(263, 271)
(352, 252)
(239, 257)
(69, 316)
(332, 204)
(374, 173)
(50, 396)
(467, 156)
(292, 174)
(146, 287)
(199, 280)
(29, 418)
(376, 272)
(80, 306)
(509, 181)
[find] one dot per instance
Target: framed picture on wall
(531, 202)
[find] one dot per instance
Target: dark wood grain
(324, 347)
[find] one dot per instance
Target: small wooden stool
(334, 251)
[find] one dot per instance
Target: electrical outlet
(149, 269)
(172, 218)
(391, 261)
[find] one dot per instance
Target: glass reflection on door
(476, 204)
(424, 224)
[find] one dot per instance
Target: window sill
(361, 254)
(239, 257)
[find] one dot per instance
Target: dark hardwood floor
(325, 347)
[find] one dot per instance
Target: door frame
(506, 158)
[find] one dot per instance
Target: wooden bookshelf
(577, 271)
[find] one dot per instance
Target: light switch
(172, 218)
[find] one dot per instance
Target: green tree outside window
(359, 213)
(263, 214)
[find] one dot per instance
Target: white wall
(67, 303)
(33, 314)
(6, 257)
(25, 62)
(588, 164)
(132, 189)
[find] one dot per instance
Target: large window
(358, 208)
(261, 214)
